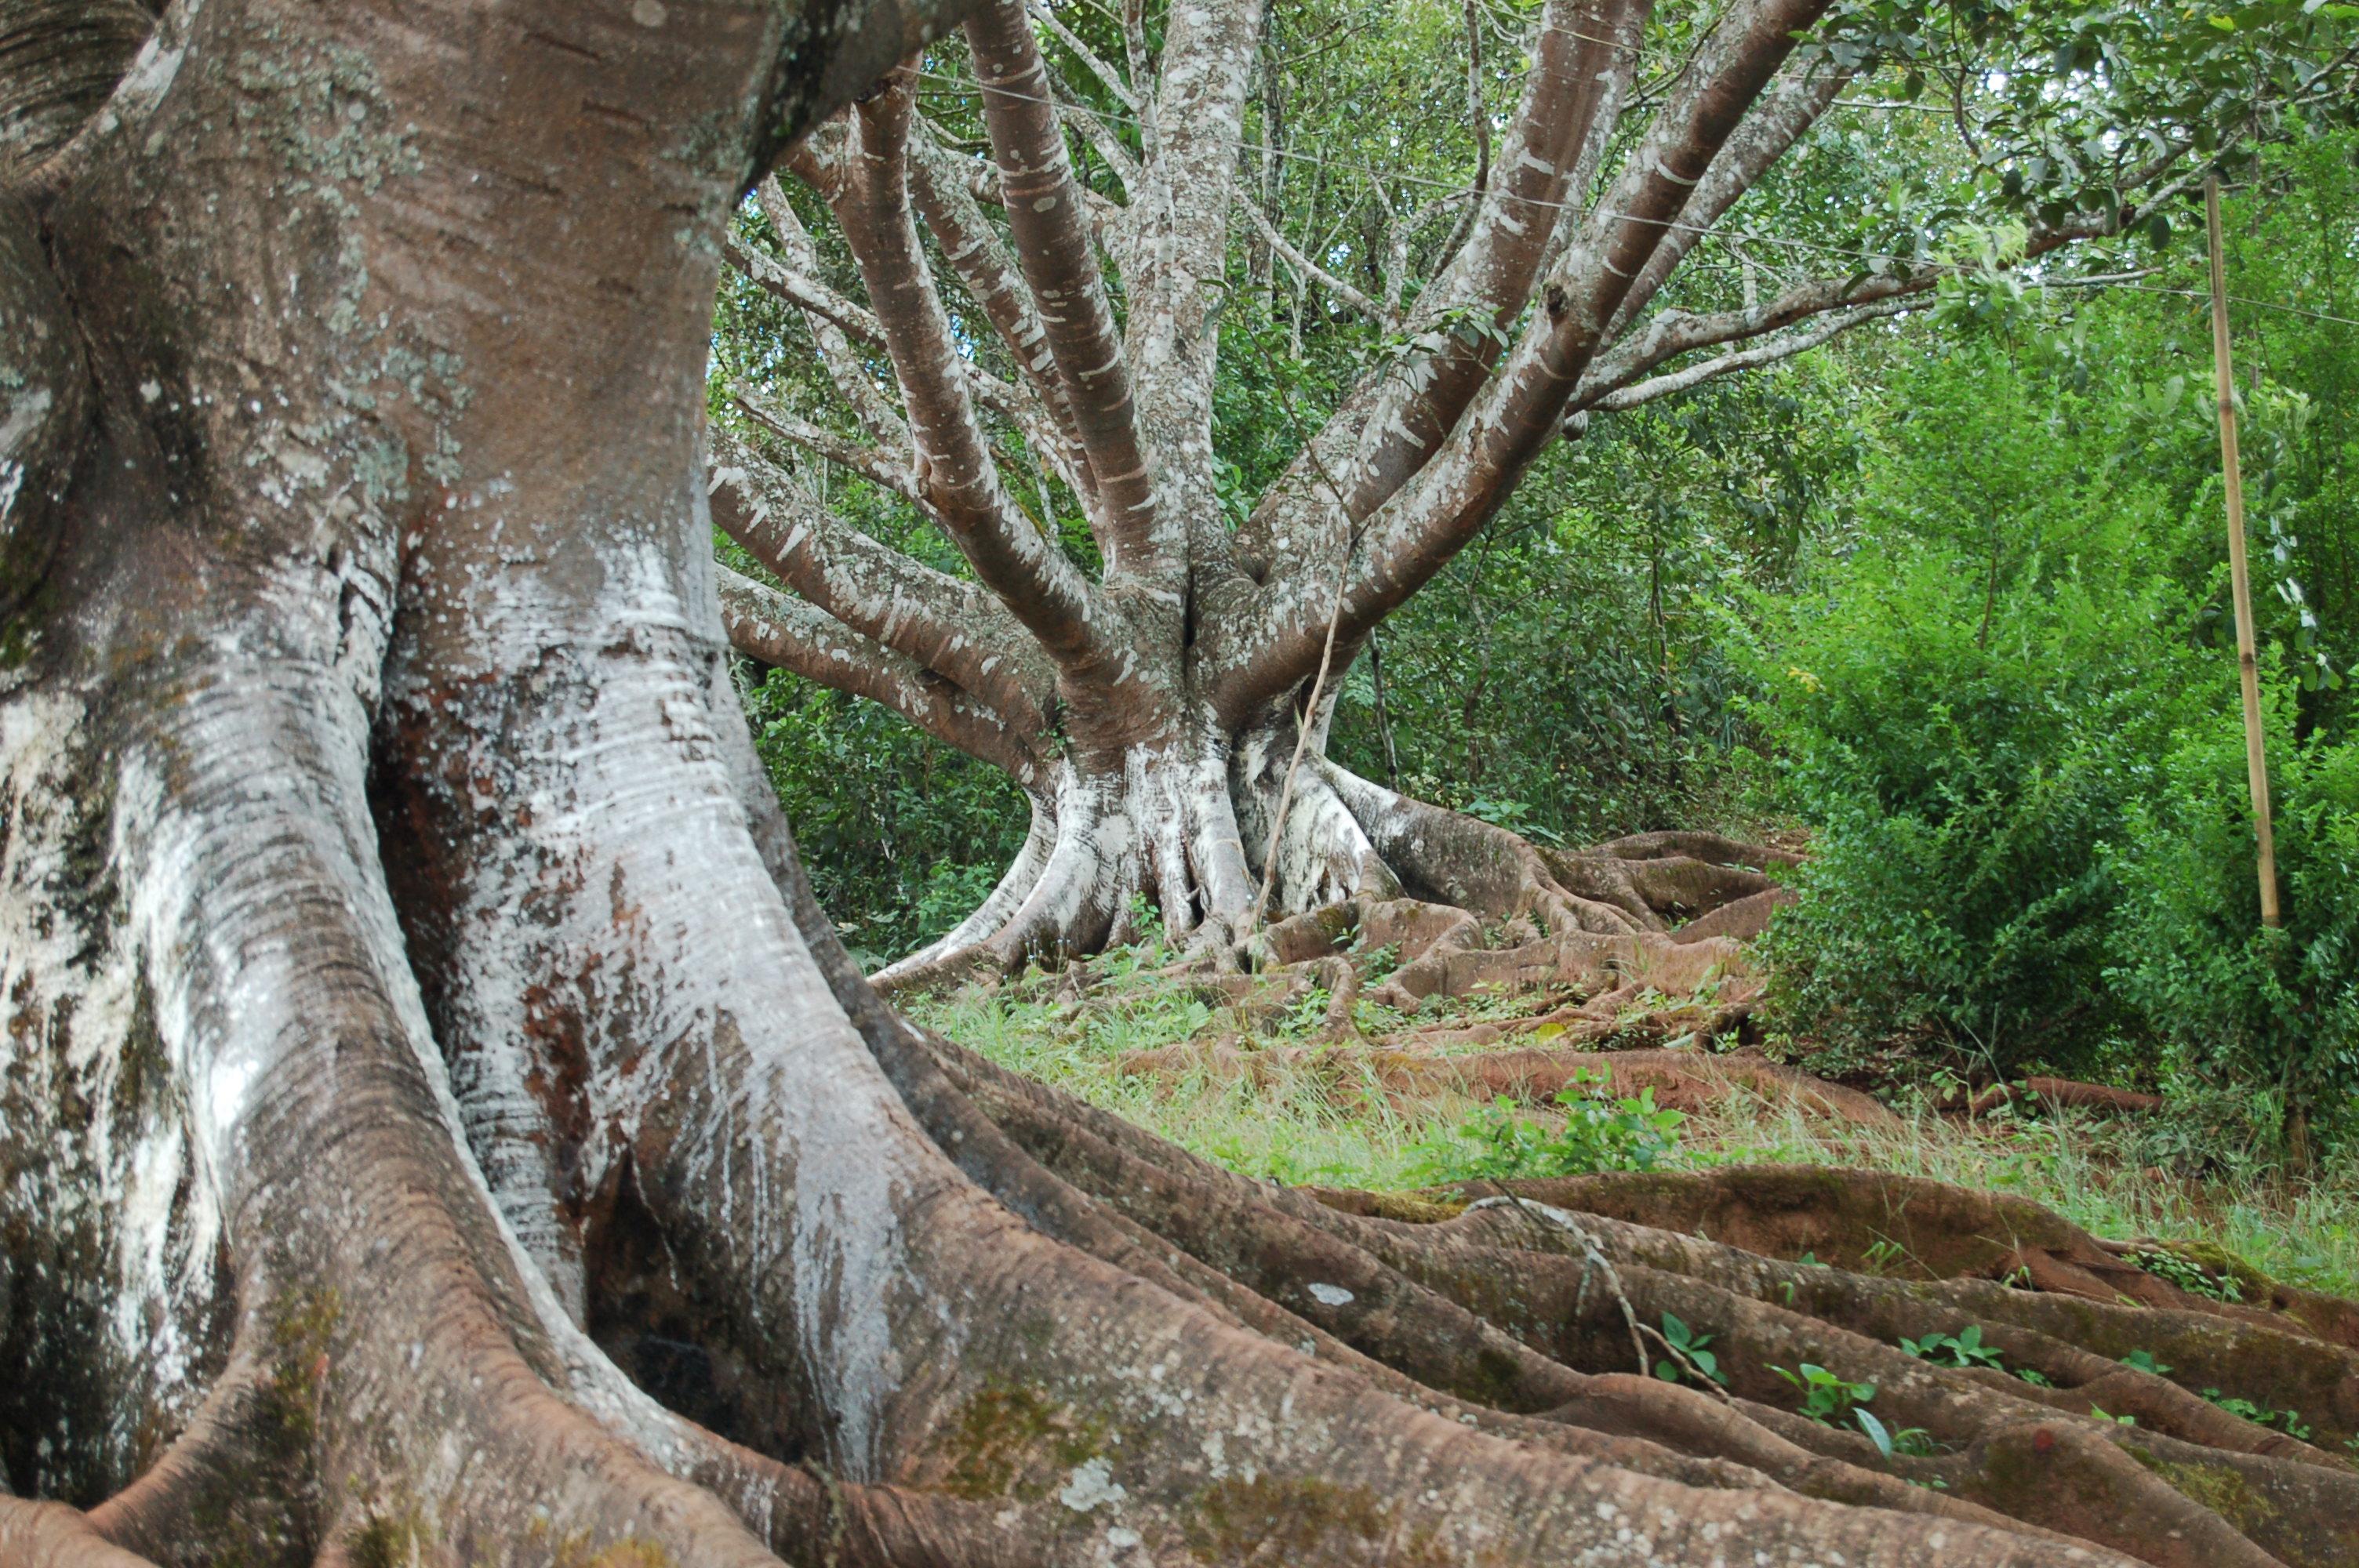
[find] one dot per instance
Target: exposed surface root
(1687, 1081)
(51, 1535)
(2190, 1484)
(2043, 1091)
(1452, 903)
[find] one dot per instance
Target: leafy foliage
(1963, 760)
(1831, 1400)
(2241, 1006)
(2004, 699)
(2288, 1422)
(901, 836)
(1600, 1133)
(1688, 1360)
(1964, 1348)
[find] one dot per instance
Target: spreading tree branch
(996, 283)
(833, 320)
(953, 628)
(1112, 79)
(1176, 274)
(837, 324)
(953, 466)
(1773, 351)
(1793, 105)
(777, 630)
(1049, 223)
(1285, 248)
(1668, 334)
(878, 468)
(1453, 492)
(1576, 49)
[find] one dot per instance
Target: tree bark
(1138, 711)
(438, 1127)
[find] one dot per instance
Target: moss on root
(398, 1538)
(2220, 1489)
(1005, 1428)
(1285, 1521)
(578, 1550)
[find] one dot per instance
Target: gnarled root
(1998, 1435)
(2045, 1091)
(1454, 903)
(1081, 1339)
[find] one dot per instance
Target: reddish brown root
(1907, 1225)
(2041, 1091)
(2304, 1502)
(2190, 1485)
(1742, 919)
(1715, 847)
(1687, 1081)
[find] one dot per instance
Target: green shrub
(1963, 757)
(1600, 1133)
(902, 837)
(2260, 1025)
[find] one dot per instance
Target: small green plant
(2144, 1361)
(1145, 922)
(1688, 1360)
(1914, 1442)
(2288, 1422)
(2037, 1379)
(2188, 1274)
(2118, 1420)
(1963, 1350)
(1600, 1133)
(1785, 1287)
(1881, 1255)
(1830, 1399)
(1308, 1014)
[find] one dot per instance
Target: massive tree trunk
(1152, 712)
(439, 1129)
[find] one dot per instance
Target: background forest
(1946, 599)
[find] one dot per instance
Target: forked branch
(953, 466)
(781, 630)
(948, 627)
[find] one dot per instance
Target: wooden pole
(2248, 669)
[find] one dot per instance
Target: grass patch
(1295, 1125)
(1298, 1124)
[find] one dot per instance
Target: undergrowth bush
(1601, 1132)
(2259, 1024)
(1963, 758)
